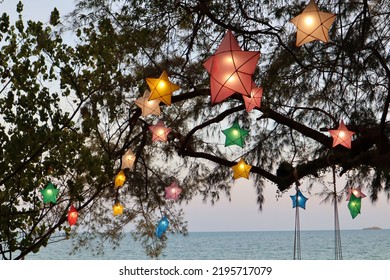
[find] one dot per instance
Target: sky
(242, 213)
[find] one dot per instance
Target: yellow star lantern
(148, 107)
(128, 160)
(120, 179)
(342, 136)
(161, 88)
(241, 170)
(159, 132)
(312, 24)
(117, 209)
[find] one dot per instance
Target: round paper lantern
(49, 193)
(72, 215)
(312, 24)
(120, 179)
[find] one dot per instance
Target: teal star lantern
(235, 135)
(354, 205)
(49, 193)
(299, 200)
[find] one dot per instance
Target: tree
(68, 111)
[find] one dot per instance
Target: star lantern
(354, 205)
(72, 215)
(148, 107)
(342, 136)
(241, 169)
(117, 209)
(159, 132)
(230, 69)
(356, 192)
(49, 193)
(254, 99)
(312, 24)
(172, 191)
(128, 160)
(299, 200)
(162, 227)
(161, 88)
(120, 179)
(235, 135)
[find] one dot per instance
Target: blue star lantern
(162, 227)
(299, 200)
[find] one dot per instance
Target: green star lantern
(235, 135)
(50, 193)
(354, 205)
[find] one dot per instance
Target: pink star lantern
(312, 24)
(342, 136)
(159, 132)
(356, 192)
(230, 69)
(254, 99)
(172, 191)
(148, 107)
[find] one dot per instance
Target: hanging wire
(337, 239)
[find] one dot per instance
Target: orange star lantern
(117, 209)
(159, 132)
(230, 69)
(161, 88)
(128, 160)
(312, 24)
(120, 179)
(241, 169)
(72, 215)
(148, 107)
(254, 99)
(342, 136)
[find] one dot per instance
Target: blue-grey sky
(242, 214)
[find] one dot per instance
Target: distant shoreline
(372, 228)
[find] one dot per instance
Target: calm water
(269, 245)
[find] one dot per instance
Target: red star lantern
(254, 99)
(357, 192)
(230, 69)
(148, 107)
(342, 136)
(172, 191)
(312, 24)
(159, 132)
(161, 88)
(72, 215)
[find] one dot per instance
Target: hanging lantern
(162, 227)
(161, 88)
(356, 192)
(342, 136)
(159, 132)
(72, 215)
(148, 107)
(254, 99)
(120, 179)
(230, 69)
(241, 169)
(118, 209)
(312, 24)
(354, 205)
(128, 160)
(49, 193)
(172, 191)
(299, 200)
(235, 135)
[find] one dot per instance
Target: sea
(259, 245)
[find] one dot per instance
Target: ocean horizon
(237, 245)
